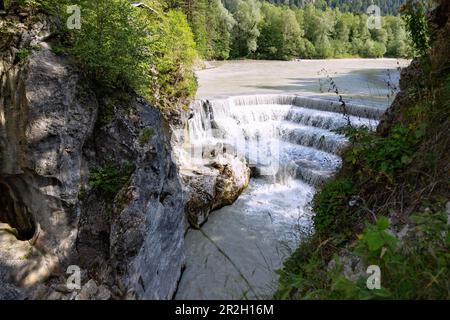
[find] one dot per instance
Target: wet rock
(218, 183)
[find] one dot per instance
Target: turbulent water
(292, 147)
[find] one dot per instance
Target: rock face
(51, 144)
(140, 230)
(217, 184)
(45, 118)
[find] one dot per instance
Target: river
(284, 116)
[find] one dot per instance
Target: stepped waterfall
(291, 144)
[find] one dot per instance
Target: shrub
(382, 157)
(22, 54)
(58, 49)
(331, 207)
(110, 179)
(151, 52)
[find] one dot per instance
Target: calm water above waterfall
(358, 80)
(290, 143)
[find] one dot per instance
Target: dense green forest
(251, 28)
(388, 7)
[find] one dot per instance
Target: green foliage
(112, 43)
(236, 28)
(22, 54)
(173, 56)
(219, 23)
(375, 242)
(330, 205)
(414, 14)
(261, 29)
(281, 35)
(211, 25)
(146, 135)
(419, 268)
(415, 268)
(47, 6)
(110, 179)
(382, 157)
(245, 31)
(304, 275)
(58, 49)
(122, 46)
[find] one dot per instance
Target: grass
(58, 49)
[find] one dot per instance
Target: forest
(388, 7)
(262, 30)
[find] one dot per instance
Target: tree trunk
(2, 5)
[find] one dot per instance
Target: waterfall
(281, 136)
(292, 147)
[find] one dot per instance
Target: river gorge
(291, 145)
(133, 169)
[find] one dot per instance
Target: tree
(219, 25)
(245, 31)
(291, 35)
(173, 55)
(112, 43)
(270, 39)
(152, 53)
(397, 42)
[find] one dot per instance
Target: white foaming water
(290, 144)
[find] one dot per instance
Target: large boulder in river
(210, 187)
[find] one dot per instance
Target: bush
(22, 54)
(172, 55)
(110, 179)
(382, 157)
(331, 207)
(419, 268)
(122, 46)
(58, 49)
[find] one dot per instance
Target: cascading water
(290, 144)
